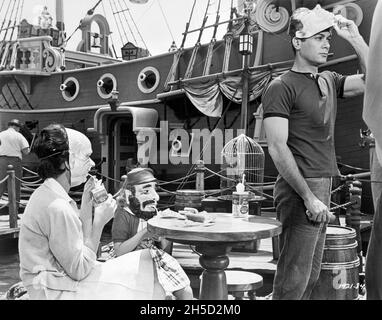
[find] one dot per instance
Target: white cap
(310, 22)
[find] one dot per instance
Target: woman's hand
(105, 212)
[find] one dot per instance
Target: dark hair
(14, 123)
(295, 25)
(121, 199)
(52, 148)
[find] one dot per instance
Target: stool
(240, 282)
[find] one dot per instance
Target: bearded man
(137, 204)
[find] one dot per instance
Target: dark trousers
(373, 270)
(17, 166)
(301, 242)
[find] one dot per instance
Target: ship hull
(39, 98)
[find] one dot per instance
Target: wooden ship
(162, 110)
(112, 100)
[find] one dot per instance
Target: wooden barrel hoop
(189, 198)
(339, 277)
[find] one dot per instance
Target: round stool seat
(243, 281)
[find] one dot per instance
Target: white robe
(55, 263)
(129, 277)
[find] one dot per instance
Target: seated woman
(58, 242)
(137, 204)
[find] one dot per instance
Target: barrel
(339, 276)
(189, 198)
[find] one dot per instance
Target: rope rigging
(351, 167)
(30, 186)
(4, 180)
(116, 14)
(126, 20)
(136, 27)
(2, 5)
(342, 206)
(166, 21)
(188, 26)
(119, 9)
(116, 22)
(192, 61)
(5, 17)
(111, 35)
(9, 21)
(89, 12)
(21, 11)
(15, 19)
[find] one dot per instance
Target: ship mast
(60, 15)
(240, 6)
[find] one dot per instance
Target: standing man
(372, 114)
(13, 146)
(299, 116)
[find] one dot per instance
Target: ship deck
(260, 262)
(5, 231)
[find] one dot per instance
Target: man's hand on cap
(346, 28)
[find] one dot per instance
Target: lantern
(245, 41)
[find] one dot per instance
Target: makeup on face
(80, 167)
(147, 196)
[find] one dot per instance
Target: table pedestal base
(214, 259)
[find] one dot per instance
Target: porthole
(148, 80)
(70, 89)
(106, 85)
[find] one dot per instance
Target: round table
(214, 242)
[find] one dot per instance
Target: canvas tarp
(207, 96)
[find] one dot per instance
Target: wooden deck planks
(5, 231)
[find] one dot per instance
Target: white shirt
(12, 142)
(51, 245)
(56, 264)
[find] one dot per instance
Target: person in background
(131, 164)
(137, 204)
(299, 117)
(372, 114)
(13, 146)
(58, 242)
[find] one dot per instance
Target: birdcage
(243, 157)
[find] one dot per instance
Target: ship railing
(10, 179)
(34, 54)
(2, 206)
(30, 182)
